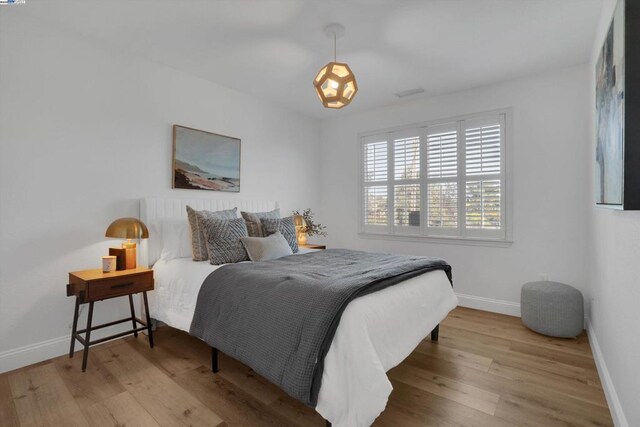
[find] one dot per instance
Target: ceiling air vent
(410, 92)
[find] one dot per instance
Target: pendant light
(335, 83)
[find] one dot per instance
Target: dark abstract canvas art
(610, 113)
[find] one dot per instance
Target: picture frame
(617, 151)
(205, 160)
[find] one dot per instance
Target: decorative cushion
(286, 226)
(266, 248)
(223, 239)
(176, 239)
(254, 226)
(552, 308)
(198, 240)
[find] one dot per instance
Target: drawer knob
(122, 285)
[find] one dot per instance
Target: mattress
(376, 332)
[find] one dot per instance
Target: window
(444, 179)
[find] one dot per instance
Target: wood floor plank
(42, 399)
(530, 413)
(584, 360)
(546, 399)
(487, 370)
(296, 412)
(447, 368)
(454, 390)
(7, 411)
(563, 385)
(582, 370)
(515, 333)
(82, 385)
(533, 364)
(119, 411)
(438, 411)
(171, 353)
(177, 352)
(234, 405)
(166, 401)
(463, 358)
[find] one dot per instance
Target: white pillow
(176, 239)
(266, 248)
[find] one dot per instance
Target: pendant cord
(334, 47)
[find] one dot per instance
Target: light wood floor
(486, 370)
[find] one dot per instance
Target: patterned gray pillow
(266, 248)
(254, 226)
(286, 226)
(223, 239)
(198, 239)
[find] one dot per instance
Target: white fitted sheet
(376, 333)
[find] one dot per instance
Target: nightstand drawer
(94, 285)
(108, 288)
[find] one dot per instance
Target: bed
(376, 331)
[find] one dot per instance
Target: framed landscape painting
(205, 161)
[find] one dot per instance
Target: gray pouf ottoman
(552, 308)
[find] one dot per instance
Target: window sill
(497, 243)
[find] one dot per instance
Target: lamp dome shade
(336, 85)
(127, 228)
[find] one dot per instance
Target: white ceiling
(273, 49)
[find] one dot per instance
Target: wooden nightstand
(311, 246)
(90, 286)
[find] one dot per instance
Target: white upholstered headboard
(153, 210)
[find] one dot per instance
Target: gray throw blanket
(280, 316)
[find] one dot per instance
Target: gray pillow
(286, 226)
(254, 226)
(198, 239)
(223, 239)
(266, 248)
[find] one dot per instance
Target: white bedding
(376, 332)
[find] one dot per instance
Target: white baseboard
(615, 407)
(489, 304)
(44, 350)
(33, 353)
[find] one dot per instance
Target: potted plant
(306, 226)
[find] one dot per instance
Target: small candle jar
(108, 263)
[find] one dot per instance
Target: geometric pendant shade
(336, 85)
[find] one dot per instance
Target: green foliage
(312, 228)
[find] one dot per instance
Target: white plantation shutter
(442, 151)
(483, 149)
(443, 205)
(406, 158)
(483, 204)
(406, 181)
(445, 179)
(376, 177)
(375, 161)
(484, 176)
(375, 205)
(441, 178)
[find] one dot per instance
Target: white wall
(614, 279)
(549, 173)
(84, 134)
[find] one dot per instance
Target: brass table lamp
(126, 228)
(301, 229)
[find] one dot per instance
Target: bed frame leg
(435, 333)
(214, 360)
